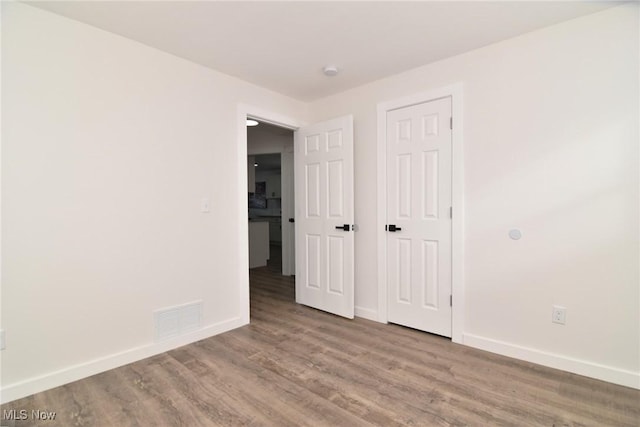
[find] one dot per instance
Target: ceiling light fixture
(330, 70)
(255, 164)
(251, 122)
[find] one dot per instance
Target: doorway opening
(324, 239)
(245, 112)
(270, 197)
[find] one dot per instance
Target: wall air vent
(178, 320)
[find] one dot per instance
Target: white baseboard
(576, 366)
(366, 313)
(50, 380)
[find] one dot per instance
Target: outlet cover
(559, 315)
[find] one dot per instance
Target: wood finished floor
(296, 366)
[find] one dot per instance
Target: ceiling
(284, 45)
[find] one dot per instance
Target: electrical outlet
(2, 343)
(559, 315)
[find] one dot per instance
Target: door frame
(455, 91)
(242, 112)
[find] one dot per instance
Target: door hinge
(450, 300)
(451, 212)
(451, 123)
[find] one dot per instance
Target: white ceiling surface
(283, 46)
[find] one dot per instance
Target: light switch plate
(205, 206)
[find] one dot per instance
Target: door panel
(403, 173)
(312, 261)
(336, 262)
(419, 197)
(324, 182)
(429, 276)
(336, 184)
(404, 271)
(312, 184)
(430, 189)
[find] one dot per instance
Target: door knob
(392, 228)
(345, 227)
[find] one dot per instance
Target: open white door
(324, 216)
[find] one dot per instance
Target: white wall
(551, 147)
(108, 147)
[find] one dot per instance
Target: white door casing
(324, 202)
(419, 199)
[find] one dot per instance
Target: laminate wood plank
(297, 366)
(263, 385)
(177, 396)
(334, 378)
(396, 388)
(313, 347)
(238, 385)
(365, 403)
(490, 380)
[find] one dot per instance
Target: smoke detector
(330, 70)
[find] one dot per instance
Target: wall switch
(559, 315)
(205, 206)
(2, 343)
